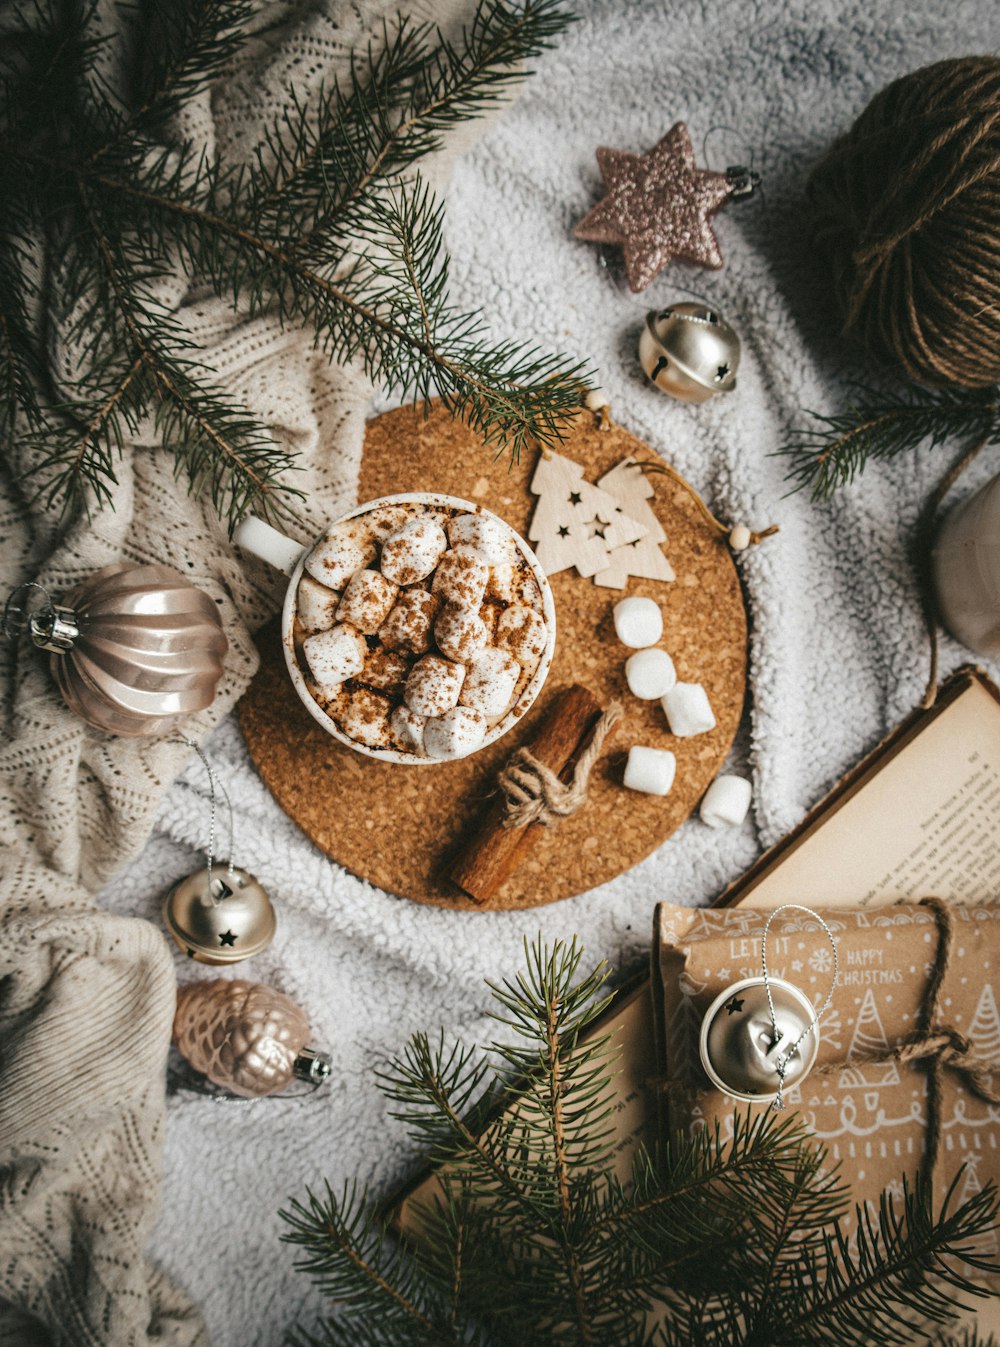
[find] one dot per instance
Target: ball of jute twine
(907, 208)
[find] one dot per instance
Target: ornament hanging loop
(217, 891)
(217, 915)
(780, 1051)
(743, 182)
(51, 626)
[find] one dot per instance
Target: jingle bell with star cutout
(689, 351)
(740, 1050)
(225, 922)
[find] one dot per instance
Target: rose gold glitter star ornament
(658, 206)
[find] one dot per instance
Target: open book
(919, 816)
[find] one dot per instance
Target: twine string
(906, 208)
(724, 530)
(535, 794)
(941, 1046)
(782, 1062)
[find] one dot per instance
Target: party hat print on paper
(984, 1031)
(869, 1040)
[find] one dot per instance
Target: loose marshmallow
(484, 534)
(408, 626)
(455, 734)
(688, 710)
(315, 605)
(433, 685)
(412, 552)
(345, 549)
(366, 601)
(460, 632)
(364, 715)
(461, 578)
(522, 631)
(490, 682)
(650, 770)
(385, 670)
(334, 656)
(638, 622)
(408, 728)
(726, 802)
(650, 673)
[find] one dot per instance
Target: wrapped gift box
(867, 1097)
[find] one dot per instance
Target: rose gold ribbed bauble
(135, 648)
(244, 1036)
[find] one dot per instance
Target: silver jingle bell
(689, 351)
(231, 923)
(738, 1047)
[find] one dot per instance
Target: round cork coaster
(398, 826)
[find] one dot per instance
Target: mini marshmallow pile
(419, 628)
(651, 676)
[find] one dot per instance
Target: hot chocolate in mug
(429, 659)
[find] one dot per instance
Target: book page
(925, 824)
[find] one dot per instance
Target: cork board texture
(414, 818)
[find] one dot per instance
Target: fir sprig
(532, 1239)
(328, 226)
(881, 425)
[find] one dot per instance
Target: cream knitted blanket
(86, 997)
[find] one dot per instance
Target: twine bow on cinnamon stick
(941, 1046)
(535, 794)
(538, 786)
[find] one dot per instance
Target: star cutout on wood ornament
(657, 207)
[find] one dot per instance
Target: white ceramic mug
(284, 554)
(966, 564)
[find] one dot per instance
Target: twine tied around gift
(941, 1046)
(535, 794)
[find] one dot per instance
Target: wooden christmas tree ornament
(642, 559)
(575, 523)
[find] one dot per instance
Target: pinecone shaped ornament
(245, 1036)
(134, 648)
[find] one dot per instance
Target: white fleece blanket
(838, 653)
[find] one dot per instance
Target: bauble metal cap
(738, 1047)
(233, 922)
(689, 351)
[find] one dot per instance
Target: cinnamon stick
(493, 852)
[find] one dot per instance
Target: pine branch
(321, 229)
(185, 45)
(528, 1240)
(905, 1271)
(357, 1267)
(881, 425)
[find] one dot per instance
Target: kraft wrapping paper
(871, 1117)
